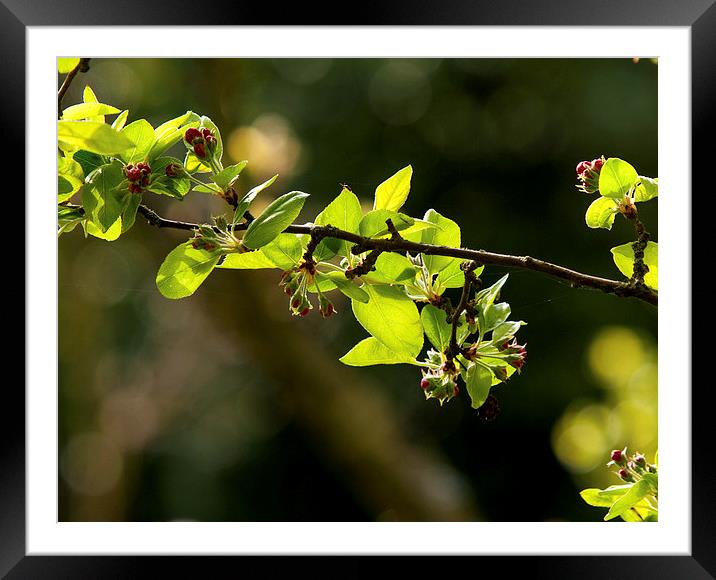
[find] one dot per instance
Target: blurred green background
(223, 407)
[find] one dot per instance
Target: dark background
(224, 407)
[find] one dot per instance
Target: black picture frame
(699, 15)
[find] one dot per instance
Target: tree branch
(574, 278)
(82, 66)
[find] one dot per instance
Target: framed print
(338, 290)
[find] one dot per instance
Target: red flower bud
(296, 303)
(305, 311)
(456, 390)
(133, 173)
(583, 166)
(135, 188)
(200, 150)
(192, 134)
(172, 170)
(617, 456)
(597, 165)
(625, 475)
(425, 384)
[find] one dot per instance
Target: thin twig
(82, 66)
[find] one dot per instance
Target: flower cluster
(201, 141)
(588, 175)
(138, 176)
(511, 353)
(632, 468)
(216, 238)
(440, 381)
(296, 283)
(515, 354)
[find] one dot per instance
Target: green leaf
(325, 283)
(478, 381)
(247, 261)
(65, 65)
(92, 136)
(647, 189)
(487, 296)
(275, 218)
(88, 96)
(392, 318)
(347, 287)
(70, 178)
(494, 315)
(436, 326)
(66, 188)
(601, 213)
(452, 276)
(653, 480)
(505, 331)
(624, 259)
(184, 269)
(418, 226)
(344, 213)
(176, 187)
(228, 175)
(129, 213)
(392, 193)
(103, 199)
(392, 268)
(604, 497)
(87, 110)
(634, 495)
(207, 188)
(285, 251)
(111, 234)
(68, 218)
(616, 178)
(245, 202)
(170, 132)
(172, 125)
(89, 161)
(120, 120)
(141, 135)
(373, 223)
(447, 233)
(370, 351)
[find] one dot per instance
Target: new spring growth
(488, 353)
(632, 468)
(218, 238)
(440, 382)
(588, 174)
(201, 141)
(138, 176)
